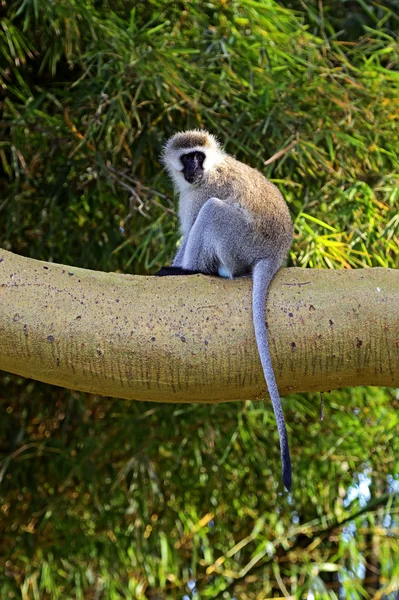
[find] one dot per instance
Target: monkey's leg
(221, 241)
(176, 268)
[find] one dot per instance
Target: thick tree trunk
(190, 339)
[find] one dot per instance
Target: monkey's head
(188, 155)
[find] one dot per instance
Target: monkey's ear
(168, 271)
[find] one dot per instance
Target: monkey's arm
(178, 259)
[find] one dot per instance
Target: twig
(280, 153)
(137, 183)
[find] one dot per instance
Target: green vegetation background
(102, 498)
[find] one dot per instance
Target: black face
(192, 166)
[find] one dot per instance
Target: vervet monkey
(234, 222)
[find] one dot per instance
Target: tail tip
(287, 479)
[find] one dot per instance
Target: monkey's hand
(168, 271)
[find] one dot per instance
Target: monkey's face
(189, 156)
(193, 166)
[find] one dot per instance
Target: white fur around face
(213, 156)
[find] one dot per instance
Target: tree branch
(190, 339)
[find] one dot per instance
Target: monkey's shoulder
(250, 187)
(248, 177)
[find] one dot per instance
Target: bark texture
(190, 339)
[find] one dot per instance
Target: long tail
(263, 273)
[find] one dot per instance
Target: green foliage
(104, 499)
(133, 499)
(93, 88)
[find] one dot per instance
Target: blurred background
(101, 498)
